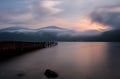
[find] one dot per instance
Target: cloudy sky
(80, 15)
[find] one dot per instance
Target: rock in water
(50, 74)
(21, 74)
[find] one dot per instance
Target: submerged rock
(50, 74)
(21, 74)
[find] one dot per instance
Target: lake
(71, 60)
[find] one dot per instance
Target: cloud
(108, 16)
(63, 13)
(77, 9)
(50, 5)
(20, 12)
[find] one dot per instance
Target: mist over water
(71, 60)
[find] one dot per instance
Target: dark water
(75, 60)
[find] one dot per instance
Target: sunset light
(59, 39)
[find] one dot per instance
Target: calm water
(75, 60)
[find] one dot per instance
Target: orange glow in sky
(81, 25)
(88, 25)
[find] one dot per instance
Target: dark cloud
(108, 16)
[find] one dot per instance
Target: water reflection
(91, 59)
(80, 60)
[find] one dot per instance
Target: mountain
(107, 36)
(54, 33)
(16, 29)
(111, 35)
(12, 28)
(53, 27)
(51, 33)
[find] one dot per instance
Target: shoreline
(9, 49)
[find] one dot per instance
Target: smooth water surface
(71, 60)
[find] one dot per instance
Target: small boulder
(20, 74)
(50, 74)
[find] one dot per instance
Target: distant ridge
(24, 28)
(54, 33)
(53, 27)
(13, 28)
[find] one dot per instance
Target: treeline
(9, 49)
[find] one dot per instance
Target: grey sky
(63, 13)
